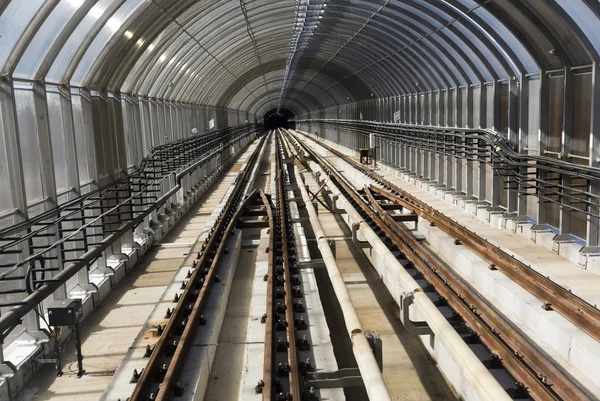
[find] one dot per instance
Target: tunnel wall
(60, 143)
(544, 114)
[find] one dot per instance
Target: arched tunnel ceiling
(254, 55)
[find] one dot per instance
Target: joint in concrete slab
(418, 328)
(298, 201)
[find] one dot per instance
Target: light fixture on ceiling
(308, 14)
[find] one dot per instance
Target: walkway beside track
(570, 346)
(583, 283)
(409, 372)
(118, 322)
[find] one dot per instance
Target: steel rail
(190, 305)
(171, 380)
(520, 357)
(576, 310)
(361, 348)
(294, 374)
(552, 295)
(268, 361)
(12, 318)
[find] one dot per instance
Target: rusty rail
(528, 364)
(160, 379)
(294, 373)
(579, 312)
(518, 355)
(267, 381)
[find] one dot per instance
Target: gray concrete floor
(115, 325)
(564, 272)
(409, 372)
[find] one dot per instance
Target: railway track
(284, 285)
(286, 329)
(160, 379)
(551, 295)
(266, 385)
(287, 339)
(41, 254)
(534, 371)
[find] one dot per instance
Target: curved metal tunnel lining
(135, 71)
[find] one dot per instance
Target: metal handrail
(494, 150)
(153, 153)
(490, 136)
(12, 318)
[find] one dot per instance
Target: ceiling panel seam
(350, 40)
(197, 42)
(427, 35)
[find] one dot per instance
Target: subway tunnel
(154, 150)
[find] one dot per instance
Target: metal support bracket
(356, 241)
(342, 378)
(348, 377)
(377, 347)
(332, 246)
(418, 328)
(334, 199)
(313, 264)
